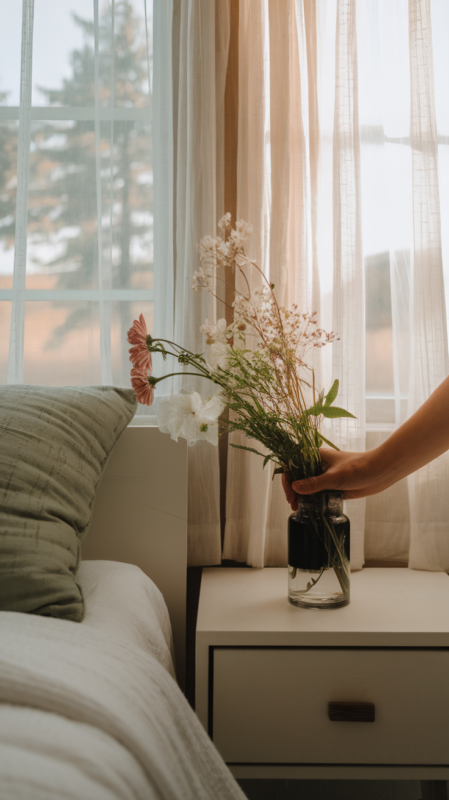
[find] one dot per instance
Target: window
(80, 239)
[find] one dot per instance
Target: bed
(92, 709)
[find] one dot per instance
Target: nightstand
(266, 673)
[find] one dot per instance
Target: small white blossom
(207, 248)
(214, 332)
(244, 228)
(200, 280)
(188, 417)
(218, 356)
(225, 221)
(243, 307)
(223, 249)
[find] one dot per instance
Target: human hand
(355, 474)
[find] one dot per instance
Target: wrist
(385, 463)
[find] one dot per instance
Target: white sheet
(122, 601)
(91, 711)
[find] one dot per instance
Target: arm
(420, 439)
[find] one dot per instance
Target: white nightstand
(267, 671)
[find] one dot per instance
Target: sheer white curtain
(429, 497)
(344, 172)
(404, 178)
(348, 319)
(297, 117)
(203, 49)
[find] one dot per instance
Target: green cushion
(54, 445)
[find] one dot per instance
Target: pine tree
(62, 198)
(8, 180)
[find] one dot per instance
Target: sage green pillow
(54, 445)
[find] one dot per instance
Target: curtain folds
(248, 489)
(338, 133)
(348, 354)
(429, 498)
(201, 83)
(280, 192)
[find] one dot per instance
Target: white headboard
(140, 517)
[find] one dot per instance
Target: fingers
(312, 485)
(287, 486)
(289, 493)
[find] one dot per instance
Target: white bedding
(122, 601)
(90, 710)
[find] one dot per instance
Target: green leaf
(316, 410)
(331, 412)
(331, 444)
(250, 449)
(266, 460)
(258, 406)
(332, 393)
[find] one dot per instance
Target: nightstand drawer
(270, 705)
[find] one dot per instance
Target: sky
(55, 36)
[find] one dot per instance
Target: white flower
(223, 249)
(240, 234)
(218, 356)
(214, 332)
(186, 415)
(200, 280)
(244, 228)
(208, 244)
(225, 221)
(243, 308)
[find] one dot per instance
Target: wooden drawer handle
(351, 712)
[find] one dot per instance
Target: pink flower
(139, 355)
(139, 382)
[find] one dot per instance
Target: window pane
(62, 341)
(5, 324)
(384, 109)
(52, 54)
(64, 65)
(10, 49)
(62, 344)
(379, 331)
(8, 187)
(62, 210)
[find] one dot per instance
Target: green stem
(343, 578)
(154, 381)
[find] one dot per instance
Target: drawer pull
(351, 712)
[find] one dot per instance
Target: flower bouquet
(260, 365)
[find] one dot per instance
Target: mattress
(92, 710)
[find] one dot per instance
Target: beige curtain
(280, 191)
(429, 496)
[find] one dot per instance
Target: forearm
(420, 439)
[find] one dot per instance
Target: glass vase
(318, 552)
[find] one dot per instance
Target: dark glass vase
(318, 552)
